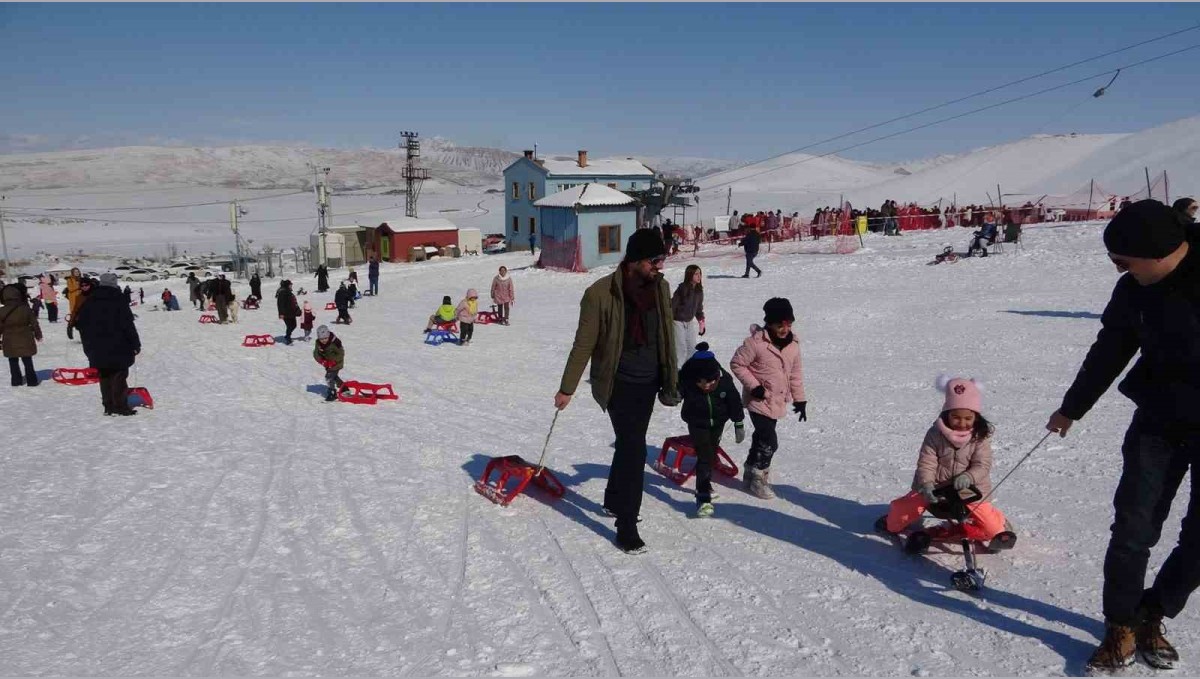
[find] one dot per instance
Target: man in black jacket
(110, 341)
(1155, 308)
(285, 303)
(750, 242)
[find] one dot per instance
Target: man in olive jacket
(625, 330)
(1155, 309)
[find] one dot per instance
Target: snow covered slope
(245, 527)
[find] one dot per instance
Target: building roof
(585, 195)
(348, 227)
(563, 166)
(410, 224)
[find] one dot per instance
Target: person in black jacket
(1155, 309)
(322, 278)
(710, 399)
(289, 310)
(110, 341)
(256, 286)
(342, 299)
(750, 241)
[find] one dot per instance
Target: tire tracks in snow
(718, 658)
(447, 618)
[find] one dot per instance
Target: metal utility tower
(324, 211)
(413, 175)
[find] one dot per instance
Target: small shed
(470, 241)
(394, 238)
(354, 243)
(585, 227)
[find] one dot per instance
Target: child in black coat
(710, 399)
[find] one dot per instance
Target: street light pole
(4, 237)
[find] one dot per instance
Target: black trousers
(467, 331)
(763, 442)
(343, 315)
(14, 367)
(629, 410)
(52, 312)
(1154, 467)
(114, 388)
(750, 264)
(706, 442)
(289, 324)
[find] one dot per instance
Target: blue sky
(739, 81)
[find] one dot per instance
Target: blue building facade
(528, 180)
(585, 227)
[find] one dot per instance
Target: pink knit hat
(961, 393)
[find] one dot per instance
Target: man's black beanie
(1146, 229)
(644, 244)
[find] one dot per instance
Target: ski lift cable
(958, 100)
(950, 118)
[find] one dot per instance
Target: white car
(495, 248)
(200, 271)
(141, 275)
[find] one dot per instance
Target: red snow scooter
(515, 468)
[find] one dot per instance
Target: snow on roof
(599, 166)
(586, 195)
(405, 224)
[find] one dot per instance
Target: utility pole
(324, 212)
(729, 201)
(1091, 188)
(236, 211)
(1149, 193)
(4, 237)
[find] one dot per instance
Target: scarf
(958, 439)
(502, 277)
(472, 306)
(642, 294)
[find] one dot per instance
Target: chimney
(583, 158)
(529, 154)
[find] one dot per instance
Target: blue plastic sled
(436, 337)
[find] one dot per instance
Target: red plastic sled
(212, 306)
(75, 375)
(682, 445)
(142, 395)
(449, 326)
(514, 468)
(208, 318)
(258, 341)
(487, 317)
(330, 306)
(366, 393)
(249, 305)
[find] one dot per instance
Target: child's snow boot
(705, 510)
(329, 395)
(760, 484)
(1115, 652)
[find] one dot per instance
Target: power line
(155, 207)
(958, 100)
(950, 118)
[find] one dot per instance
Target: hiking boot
(124, 411)
(1153, 645)
(760, 484)
(705, 510)
(31, 380)
(329, 395)
(1115, 652)
(881, 525)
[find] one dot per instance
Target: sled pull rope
(1015, 468)
(542, 460)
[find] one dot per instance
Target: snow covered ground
(246, 527)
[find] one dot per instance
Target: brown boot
(1153, 646)
(1116, 651)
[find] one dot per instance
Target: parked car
(492, 239)
(495, 248)
(200, 271)
(142, 275)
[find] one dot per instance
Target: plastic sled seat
(330, 306)
(248, 306)
(208, 318)
(671, 466)
(505, 478)
(258, 341)
(139, 396)
(366, 393)
(449, 326)
(75, 376)
(487, 318)
(436, 337)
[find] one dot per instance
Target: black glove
(801, 407)
(758, 393)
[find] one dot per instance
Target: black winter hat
(446, 300)
(644, 244)
(778, 309)
(1180, 207)
(1146, 229)
(702, 365)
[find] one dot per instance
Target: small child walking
(466, 313)
(710, 399)
(768, 366)
(306, 323)
(328, 351)
(956, 452)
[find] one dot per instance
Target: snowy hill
(244, 527)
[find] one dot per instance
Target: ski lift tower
(413, 175)
(664, 192)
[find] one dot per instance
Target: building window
(532, 191)
(516, 190)
(613, 185)
(516, 225)
(632, 186)
(532, 225)
(610, 239)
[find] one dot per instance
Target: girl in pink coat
(502, 294)
(957, 451)
(769, 368)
